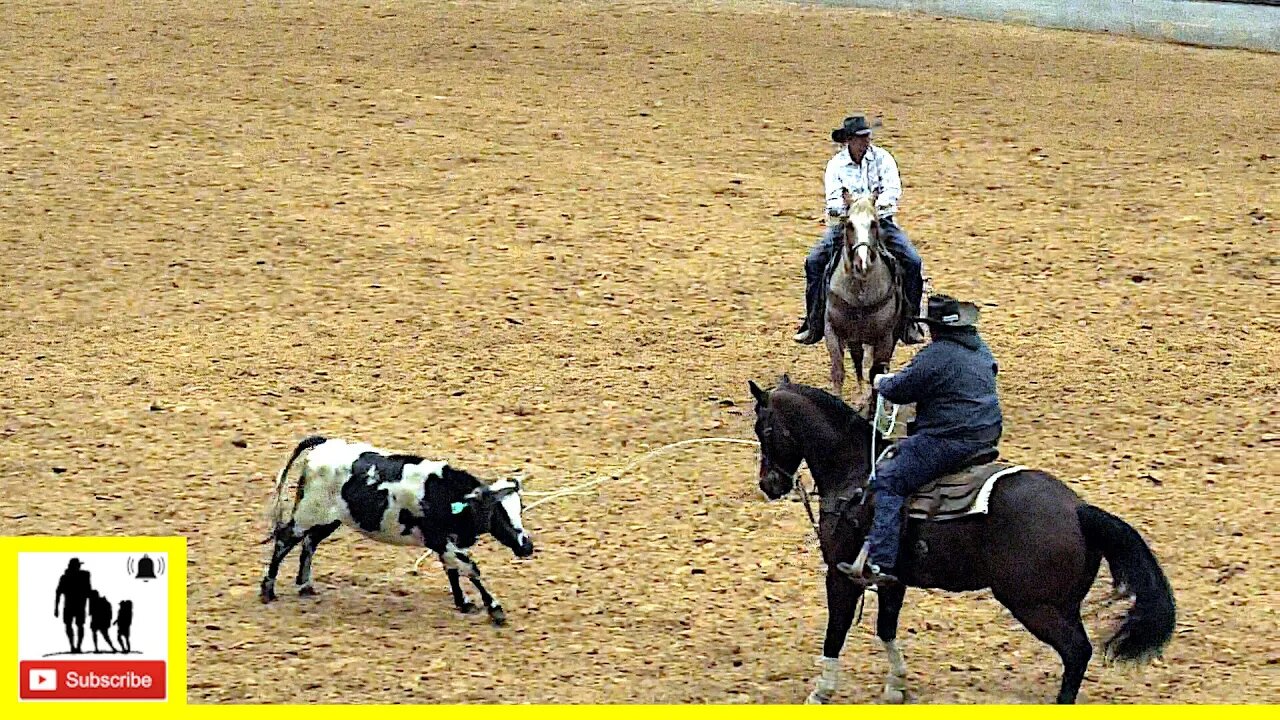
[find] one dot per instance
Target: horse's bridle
(874, 249)
(795, 482)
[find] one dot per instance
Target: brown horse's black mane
(840, 413)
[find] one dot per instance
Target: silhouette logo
(77, 635)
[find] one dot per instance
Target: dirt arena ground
(552, 236)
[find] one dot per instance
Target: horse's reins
(875, 425)
(798, 484)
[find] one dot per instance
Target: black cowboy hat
(853, 125)
(946, 311)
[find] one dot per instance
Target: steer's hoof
(816, 698)
(498, 616)
(893, 696)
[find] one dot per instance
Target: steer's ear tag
(458, 508)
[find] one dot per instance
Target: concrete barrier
(1248, 24)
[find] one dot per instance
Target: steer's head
(497, 508)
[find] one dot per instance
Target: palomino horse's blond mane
(861, 207)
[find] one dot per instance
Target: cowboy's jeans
(820, 265)
(920, 459)
(912, 266)
(817, 272)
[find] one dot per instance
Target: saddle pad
(960, 493)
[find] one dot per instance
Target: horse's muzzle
(774, 485)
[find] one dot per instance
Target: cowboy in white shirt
(860, 168)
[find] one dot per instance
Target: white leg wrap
(895, 681)
(825, 686)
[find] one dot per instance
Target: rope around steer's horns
(581, 488)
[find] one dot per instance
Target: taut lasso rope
(582, 488)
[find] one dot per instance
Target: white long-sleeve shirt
(877, 171)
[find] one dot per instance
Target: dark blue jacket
(952, 381)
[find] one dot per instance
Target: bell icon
(146, 569)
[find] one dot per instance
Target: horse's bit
(795, 482)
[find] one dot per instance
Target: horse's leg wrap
(825, 686)
(895, 682)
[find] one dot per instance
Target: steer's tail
(278, 501)
(1149, 624)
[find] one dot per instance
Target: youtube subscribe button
(92, 680)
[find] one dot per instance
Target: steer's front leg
(462, 562)
(460, 599)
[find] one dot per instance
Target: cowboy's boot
(807, 336)
(802, 332)
(810, 331)
(912, 333)
(872, 574)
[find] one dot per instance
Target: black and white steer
(397, 499)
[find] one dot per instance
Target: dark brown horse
(866, 308)
(1038, 547)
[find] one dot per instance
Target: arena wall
(1248, 24)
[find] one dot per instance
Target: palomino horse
(1038, 547)
(865, 304)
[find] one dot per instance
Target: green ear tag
(458, 508)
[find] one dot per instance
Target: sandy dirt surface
(552, 236)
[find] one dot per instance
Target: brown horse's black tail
(1148, 625)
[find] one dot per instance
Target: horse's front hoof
(467, 608)
(816, 698)
(893, 696)
(306, 591)
(498, 616)
(268, 593)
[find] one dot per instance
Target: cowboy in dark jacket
(952, 381)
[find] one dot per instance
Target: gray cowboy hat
(946, 311)
(853, 125)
